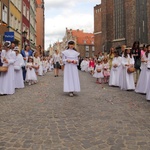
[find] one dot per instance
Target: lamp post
(24, 37)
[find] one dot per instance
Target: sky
(71, 14)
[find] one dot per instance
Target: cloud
(67, 13)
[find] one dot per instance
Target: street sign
(9, 36)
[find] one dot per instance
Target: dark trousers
(24, 73)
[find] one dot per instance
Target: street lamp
(24, 37)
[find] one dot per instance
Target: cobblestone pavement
(42, 117)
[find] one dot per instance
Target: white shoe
(29, 83)
(71, 94)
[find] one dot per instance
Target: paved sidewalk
(42, 117)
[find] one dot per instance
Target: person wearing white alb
(7, 80)
(19, 63)
(127, 77)
(114, 79)
(71, 76)
(143, 83)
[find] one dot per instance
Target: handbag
(17, 68)
(3, 68)
(98, 70)
(131, 70)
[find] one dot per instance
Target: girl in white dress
(71, 77)
(106, 69)
(19, 63)
(7, 79)
(127, 78)
(31, 76)
(40, 70)
(115, 70)
(98, 72)
(142, 83)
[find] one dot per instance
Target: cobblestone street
(42, 117)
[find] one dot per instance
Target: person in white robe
(143, 83)
(114, 79)
(31, 76)
(40, 70)
(127, 78)
(148, 91)
(19, 63)
(36, 60)
(98, 71)
(84, 65)
(7, 80)
(71, 76)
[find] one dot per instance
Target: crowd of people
(20, 67)
(128, 68)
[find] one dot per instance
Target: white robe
(19, 82)
(114, 79)
(30, 75)
(148, 91)
(71, 76)
(84, 65)
(142, 83)
(7, 80)
(98, 74)
(127, 82)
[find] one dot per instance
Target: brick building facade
(122, 22)
(84, 42)
(97, 28)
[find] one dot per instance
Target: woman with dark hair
(136, 52)
(127, 82)
(71, 77)
(26, 52)
(114, 79)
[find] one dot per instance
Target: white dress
(142, 83)
(148, 91)
(71, 76)
(127, 78)
(7, 79)
(30, 75)
(40, 70)
(84, 65)
(98, 74)
(19, 83)
(114, 79)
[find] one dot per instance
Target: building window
(87, 54)
(119, 19)
(11, 20)
(93, 49)
(141, 21)
(87, 48)
(24, 9)
(4, 14)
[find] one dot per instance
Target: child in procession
(19, 63)
(71, 76)
(98, 72)
(106, 70)
(31, 76)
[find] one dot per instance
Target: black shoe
(55, 76)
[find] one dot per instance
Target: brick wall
(97, 28)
